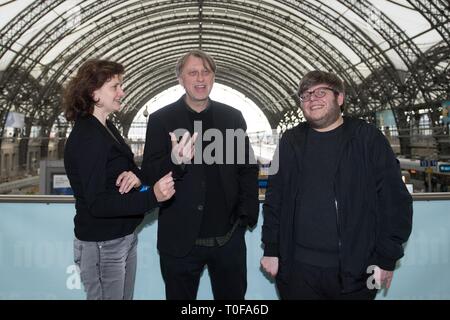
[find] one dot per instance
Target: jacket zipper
(344, 144)
(337, 225)
(339, 242)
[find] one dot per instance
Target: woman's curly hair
(78, 98)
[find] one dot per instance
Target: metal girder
(312, 59)
(362, 45)
(129, 59)
(347, 32)
(406, 49)
(436, 12)
(17, 26)
(265, 65)
(282, 21)
(227, 69)
(437, 58)
(35, 49)
(266, 46)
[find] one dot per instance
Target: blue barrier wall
(36, 256)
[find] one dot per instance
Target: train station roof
(391, 54)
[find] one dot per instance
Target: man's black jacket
(374, 208)
(179, 220)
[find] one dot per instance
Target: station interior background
(393, 55)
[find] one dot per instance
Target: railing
(20, 157)
(435, 196)
(440, 131)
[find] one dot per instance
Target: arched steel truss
(262, 48)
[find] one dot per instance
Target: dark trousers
(317, 283)
(227, 266)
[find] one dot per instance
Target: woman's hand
(126, 181)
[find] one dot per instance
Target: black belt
(216, 241)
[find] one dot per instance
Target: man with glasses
(337, 212)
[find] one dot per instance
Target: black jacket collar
(300, 132)
(122, 145)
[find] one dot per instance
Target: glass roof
(262, 48)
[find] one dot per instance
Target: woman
(104, 179)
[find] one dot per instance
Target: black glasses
(318, 93)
